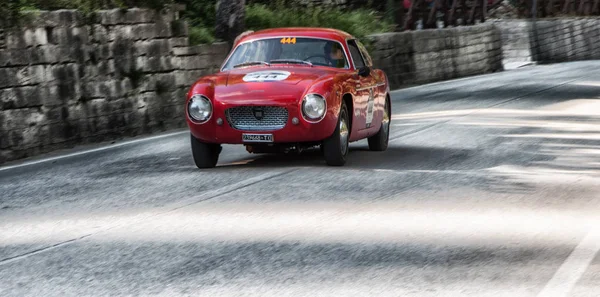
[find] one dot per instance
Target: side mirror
(364, 71)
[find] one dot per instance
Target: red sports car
(290, 89)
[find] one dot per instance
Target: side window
(356, 56)
(365, 54)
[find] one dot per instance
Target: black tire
(379, 142)
(335, 149)
(205, 155)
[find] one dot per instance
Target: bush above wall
(360, 23)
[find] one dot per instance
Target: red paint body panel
(228, 89)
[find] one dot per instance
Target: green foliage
(359, 22)
(262, 14)
(199, 13)
(390, 9)
(11, 11)
(200, 35)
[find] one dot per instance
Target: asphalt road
(490, 187)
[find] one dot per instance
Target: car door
(379, 88)
(365, 90)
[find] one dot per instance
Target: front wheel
(335, 148)
(205, 155)
(379, 141)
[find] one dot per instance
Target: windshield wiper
(250, 63)
(291, 61)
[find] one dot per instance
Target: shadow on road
(147, 266)
(359, 157)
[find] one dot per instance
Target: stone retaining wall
(417, 57)
(516, 45)
(66, 79)
(550, 40)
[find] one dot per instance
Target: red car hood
(284, 75)
(275, 83)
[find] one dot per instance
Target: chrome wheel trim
(344, 135)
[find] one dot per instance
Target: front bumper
(304, 131)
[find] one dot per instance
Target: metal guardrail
(425, 14)
(547, 8)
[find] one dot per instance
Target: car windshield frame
(348, 61)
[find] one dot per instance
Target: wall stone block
(35, 37)
(179, 42)
(50, 96)
(125, 32)
(191, 63)
(15, 57)
(15, 39)
(14, 119)
(111, 17)
(154, 47)
(47, 54)
(219, 48)
(30, 75)
(154, 64)
(191, 50)
(98, 33)
(20, 97)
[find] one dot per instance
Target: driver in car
(335, 55)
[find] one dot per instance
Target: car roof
(327, 33)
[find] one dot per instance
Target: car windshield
(288, 50)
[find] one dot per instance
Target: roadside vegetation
(272, 14)
(360, 22)
(200, 14)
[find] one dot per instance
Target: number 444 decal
(288, 40)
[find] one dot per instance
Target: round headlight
(200, 108)
(313, 107)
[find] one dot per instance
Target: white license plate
(257, 137)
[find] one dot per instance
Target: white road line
(574, 267)
(226, 189)
(129, 142)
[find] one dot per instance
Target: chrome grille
(244, 118)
